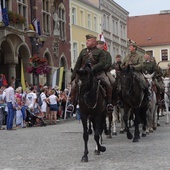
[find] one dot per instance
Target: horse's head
(149, 77)
(85, 74)
(166, 81)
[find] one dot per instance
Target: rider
(135, 61)
(167, 72)
(100, 45)
(97, 58)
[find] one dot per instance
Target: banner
(58, 78)
(61, 77)
(22, 77)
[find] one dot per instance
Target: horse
(166, 81)
(134, 99)
(92, 104)
(152, 112)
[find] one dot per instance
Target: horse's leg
(143, 116)
(136, 123)
(85, 137)
(90, 127)
(110, 117)
(155, 118)
(167, 111)
(114, 120)
(121, 121)
(125, 118)
(97, 133)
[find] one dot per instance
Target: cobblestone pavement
(60, 147)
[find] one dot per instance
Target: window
(107, 23)
(62, 23)
(82, 18)
(113, 26)
(89, 21)
(73, 15)
(46, 16)
(22, 8)
(164, 55)
(104, 21)
(95, 23)
(150, 52)
(116, 28)
(75, 51)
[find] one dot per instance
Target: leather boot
(70, 107)
(109, 107)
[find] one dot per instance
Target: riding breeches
(107, 84)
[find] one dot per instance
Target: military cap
(134, 45)
(100, 42)
(90, 36)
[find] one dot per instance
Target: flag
(35, 24)
(5, 16)
(39, 28)
(58, 78)
(103, 39)
(61, 77)
(1, 13)
(22, 77)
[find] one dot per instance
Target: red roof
(149, 30)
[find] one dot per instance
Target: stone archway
(13, 49)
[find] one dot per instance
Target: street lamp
(37, 42)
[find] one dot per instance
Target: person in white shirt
(43, 99)
(10, 100)
(52, 100)
(31, 100)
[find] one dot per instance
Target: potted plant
(16, 18)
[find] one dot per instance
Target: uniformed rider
(97, 59)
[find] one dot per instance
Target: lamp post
(37, 42)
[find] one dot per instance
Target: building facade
(52, 20)
(151, 32)
(85, 18)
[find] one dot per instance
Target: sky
(144, 7)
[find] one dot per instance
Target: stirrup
(110, 108)
(70, 108)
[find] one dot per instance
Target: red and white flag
(103, 39)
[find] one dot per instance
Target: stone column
(12, 71)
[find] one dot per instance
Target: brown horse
(92, 105)
(135, 102)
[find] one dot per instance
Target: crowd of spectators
(43, 102)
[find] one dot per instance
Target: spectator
(10, 99)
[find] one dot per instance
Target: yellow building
(85, 18)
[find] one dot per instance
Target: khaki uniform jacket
(167, 73)
(149, 67)
(95, 56)
(108, 61)
(133, 59)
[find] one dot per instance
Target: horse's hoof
(96, 152)
(147, 133)
(154, 128)
(109, 136)
(129, 135)
(151, 130)
(158, 124)
(90, 132)
(121, 132)
(102, 148)
(143, 134)
(135, 140)
(167, 123)
(114, 133)
(84, 159)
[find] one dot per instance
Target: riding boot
(70, 107)
(109, 107)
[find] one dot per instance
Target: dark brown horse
(135, 102)
(92, 105)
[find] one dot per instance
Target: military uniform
(97, 59)
(135, 60)
(167, 73)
